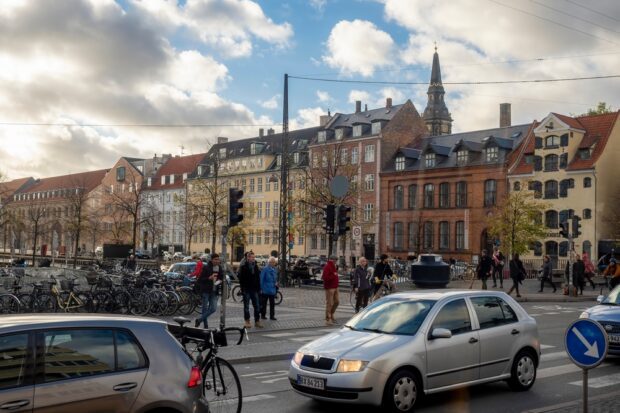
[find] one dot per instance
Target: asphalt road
(266, 387)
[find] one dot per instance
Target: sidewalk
(603, 403)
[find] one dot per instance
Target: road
(266, 387)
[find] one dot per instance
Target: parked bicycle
(237, 295)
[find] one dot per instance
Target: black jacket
(485, 266)
(547, 269)
(516, 269)
(360, 278)
(383, 271)
(579, 270)
(205, 285)
(249, 280)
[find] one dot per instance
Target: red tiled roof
(8, 188)
(176, 166)
(517, 163)
(572, 122)
(88, 180)
(598, 128)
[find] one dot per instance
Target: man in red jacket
(330, 283)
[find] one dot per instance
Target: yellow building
(571, 163)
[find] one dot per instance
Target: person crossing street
(361, 284)
(249, 281)
(330, 284)
(268, 289)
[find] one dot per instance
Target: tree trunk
(34, 246)
(213, 236)
(77, 243)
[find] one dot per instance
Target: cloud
(356, 95)
(270, 103)
(306, 118)
(323, 96)
(319, 5)
(358, 47)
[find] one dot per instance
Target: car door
(81, 370)
(16, 373)
(452, 360)
(498, 330)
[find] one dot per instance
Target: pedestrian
(589, 269)
(130, 264)
(517, 273)
(330, 284)
(361, 284)
(485, 268)
(578, 273)
(268, 289)
(249, 281)
(613, 271)
(382, 275)
(194, 274)
(498, 267)
(209, 275)
(547, 274)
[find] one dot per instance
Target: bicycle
(68, 299)
(237, 295)
(221, 384)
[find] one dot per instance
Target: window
(462, 157)
(551, 248)
(344, 156)
(537, 248)
(564, 185)
(444, 235)
(129, 356)
(357, 130)
(321, 136)
(516, 186)
(324, 160)
(259, 236)
(313, 241)
(274, 237)
(398, 235)
(267, 209)
(536, 186)
(120, 173)
(413, 236)
(564, 249)
(538, 163)
(323, 241)
(376, 128)
(552, 141)
(563, 160)
(300, 240)
(493, 312)
(267, 234)
(251, 184)
(276, 209)
(355, 158)
(253, 148)
(491, 154)
(587, 248)
(587, 182)
(399, 197)
(444, 195)
(454, 316)
(461, 194)
(587, 213)
(584, 154)
(369, 182)
(368, 208)
(551, 189)
(14, 348)
(551, 162)
(460, 235)
(259, 210)
(490, 192)
(412, 196)
(339, 134)
(354, 182)
(429, 160)
(400, 163)
(563, 216)
(369, 153)
(538, 142)
(260, 185)
(551, 219)
(222, 153)
(429, 195)
(315, 160)
(428, 235)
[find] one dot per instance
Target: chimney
(504, 115)
(261, 132)
(388, 103)
(221, 139)
(270, 131)
(324, 119)
(358, 106)
(365, 107)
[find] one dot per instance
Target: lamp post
(284, 184)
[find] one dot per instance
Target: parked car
(607, 313)
(142, 255)
(262, 259)
(109, 363)
(409, 344)
(180, 269)
(178, 255)
(166, 256)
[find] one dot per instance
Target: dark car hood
(605, 313)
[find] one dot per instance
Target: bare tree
(36, 213)
(94, 225)
(77, 219)
(128, 201)
(193, 220)
(150, 220)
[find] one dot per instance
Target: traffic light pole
(223, 272)
(284, 184)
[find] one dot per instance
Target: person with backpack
(383, 275)
(361, 284)
(498, 267)
(210, 274)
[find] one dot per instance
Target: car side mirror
(600, 299)
(441, 333)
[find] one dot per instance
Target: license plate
(614, 338)
(312, 382)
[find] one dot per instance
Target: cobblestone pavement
(607, 403)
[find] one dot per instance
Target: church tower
(436, 115)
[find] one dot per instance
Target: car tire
(402, 392)
(523, 371)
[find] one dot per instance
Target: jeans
(247, 297)
(361, 299)
(263, 305)
(209, 306)
(499, 272)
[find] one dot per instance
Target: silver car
(409, 344)
(607, 313)
(89, 363)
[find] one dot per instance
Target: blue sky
(77, 76)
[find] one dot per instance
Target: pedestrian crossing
(301, 336)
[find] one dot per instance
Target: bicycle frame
(72, 302)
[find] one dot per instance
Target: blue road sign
(290, 245)
(586, 343)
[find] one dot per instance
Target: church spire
(436, 115)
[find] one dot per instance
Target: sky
(83, 82)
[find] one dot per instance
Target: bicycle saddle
(181, 320)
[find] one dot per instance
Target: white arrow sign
(592, 348)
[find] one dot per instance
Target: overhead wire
(573, 16)
(130, 125)
(592, 10)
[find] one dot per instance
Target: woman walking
(361, 284)
(517, 273)
(547, 274)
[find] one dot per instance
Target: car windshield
(613, 298)
(182, 268)
(392, 316)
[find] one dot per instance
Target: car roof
(22, 322)
(445, 294)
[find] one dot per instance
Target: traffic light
(329, 214)
(343, 219)
(234, 205)
(564, 229)
(576, 226)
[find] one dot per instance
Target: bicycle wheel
(102, 302)
(159, 302)
(44, 303)
(140, 303)
(222, 387)
(279, 297)
(174, 302)
(26, 301)
(122, 302)
(236, 294)
(187, 301)
(9, 304)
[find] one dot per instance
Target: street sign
(290, 245)
(586, 343)
(357, 232)
(339, 186)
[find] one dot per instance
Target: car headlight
(297, 358)
(585, 314)
(351, 366)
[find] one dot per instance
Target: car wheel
(523, 372)
(402, 392)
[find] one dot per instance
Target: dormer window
(222, 153)
(120, 173)
(171, 179)
(253, 149)
(339, 134)
(462, 157)
(199, 170)
(552, 141)
(491, 154)
(400, 163)
(296, 157)
(184, 176)
(376, 128)
(357, 130)
(322, 136)
(429, 160)
(279, 160)
(584, 154)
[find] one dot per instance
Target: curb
(575, 403)
(259, 359)
(558, 299)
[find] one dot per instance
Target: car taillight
(195, 379)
